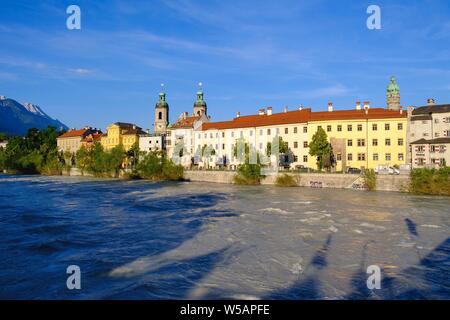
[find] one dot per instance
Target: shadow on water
(171, 281)
(412, 227)
(309, 287)
(430, 278)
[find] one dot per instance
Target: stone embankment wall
(314, 180)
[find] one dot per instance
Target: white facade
(149, 143)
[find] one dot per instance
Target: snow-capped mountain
(17, 118)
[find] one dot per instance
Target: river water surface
(145, 240)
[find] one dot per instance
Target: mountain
(17, 118)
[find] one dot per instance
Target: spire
(200, 92)
(200, 104)
(162, 94)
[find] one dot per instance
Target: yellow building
(363, 137)
(126, 134)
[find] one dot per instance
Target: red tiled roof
(188, 122)
(373, 113)
(74, 133)
(302, 116)
(298, 116)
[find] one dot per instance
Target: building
(429, 129)
(151, 143)
(432, 153)
(393, 95)
(180, 137)
(161, 113)
(90, 139)
(363, 137)
(121, 133)
(257, 131)
(71, 141)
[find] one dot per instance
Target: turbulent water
(144, 240)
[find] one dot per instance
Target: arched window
(160, 115)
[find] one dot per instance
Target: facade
(257, 131)
(90, 139)
(161, 113)
(180, 137)
(71, 141)
(432, 153)
(361, 138)
(121, 133)
(150, 143)
(429, 129)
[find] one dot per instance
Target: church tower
(161, 113)
(393, 95)
(200, 104)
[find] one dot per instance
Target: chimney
(358, 105)
(330, 106)
(401, 110)
(238, 114)
(262, 112)
(366, 105)
(285, 109)
(366, 110)
(431, 102)
(301, 107)
(269, 111)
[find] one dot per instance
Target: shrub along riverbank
(430, 181)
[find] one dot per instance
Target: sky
(248, 54)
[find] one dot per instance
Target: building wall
(115, 136)
(71, 144)
(362, 151)
(151, 143)
(430, 155)
(223, 141)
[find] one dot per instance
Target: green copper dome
(393, 87)
(162, 99)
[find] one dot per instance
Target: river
(149, 240)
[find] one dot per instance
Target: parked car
(353, 170)
(393, 170)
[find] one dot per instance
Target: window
(338, 156)
(361, 157)
(260, 146)
(223, 134)
(339, 128)
(359, 127)
(328, 128)
(400, 142)
(295, 129)
(223, 146)
(286, 130)
(278, 131)
(400, 126)
(375, 157)
(232, 134)
(295, 144)
(349, 157)
(436, 120)
(349, 142)
(349, 127)
(374, 142)
(319, 127)
(387, 142)
(400, 157)
(160, 115)
(295, 158)
(374, 127)
(361, 142)
(305, 158)
(268, 132)
(217, 134)
(251, 133)
(387, 127)
(305, 144)
(199, 136)
(211, 135)
(388, 157)
(305, 129)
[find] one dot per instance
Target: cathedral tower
(161, 113)
(393, 95)
(200, 104)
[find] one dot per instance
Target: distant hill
(17, 118)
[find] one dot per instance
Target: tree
(321, 149)
(133, 154)
(282, 147)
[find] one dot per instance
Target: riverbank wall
(313, 180)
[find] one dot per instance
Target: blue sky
(248, 54)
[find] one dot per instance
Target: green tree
(320, 148)
(282, 147)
